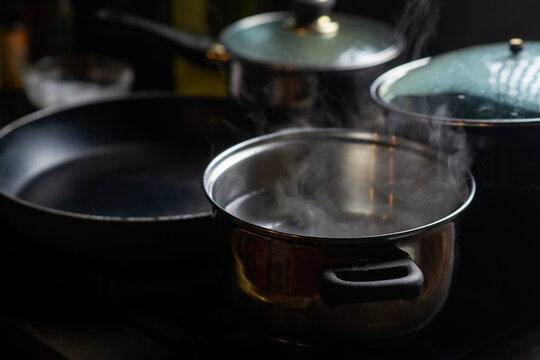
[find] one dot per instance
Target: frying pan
(116, 178)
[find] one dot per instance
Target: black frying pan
(116, 178)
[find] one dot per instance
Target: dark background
(449, 24)
(59, 26)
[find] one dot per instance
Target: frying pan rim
(42, 113)
(52, 110)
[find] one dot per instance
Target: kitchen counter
(523, 344)
(57, 306)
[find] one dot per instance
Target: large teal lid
(488, 84)
(346, 42)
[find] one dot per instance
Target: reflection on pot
(344, 266)
(273, 287)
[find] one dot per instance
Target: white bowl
(67, 79)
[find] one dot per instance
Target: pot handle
(196, 49)
(399, 279)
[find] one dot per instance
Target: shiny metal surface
(282, 78)
(272, 262)
(276, 98)
(272, 287)
(291, 79)
(337, 184)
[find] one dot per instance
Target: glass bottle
(14, 50)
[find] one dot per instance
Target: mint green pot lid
(359, 43)
(483, 85)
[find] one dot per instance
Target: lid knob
(308, 11)
(516, 45)
(312, 16)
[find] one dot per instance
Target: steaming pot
(335, 236)
(302, 66)
(488, 93)
(484, 100)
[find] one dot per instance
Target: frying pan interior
(126, 158)
(116, 179)
(138, 159)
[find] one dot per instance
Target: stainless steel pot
(336, 236)
(300, 66)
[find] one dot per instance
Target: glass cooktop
(56, 303)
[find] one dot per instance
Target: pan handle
(197, 49)
(397, 279)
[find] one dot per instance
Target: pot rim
(398, 72)
(381, 57)
(208, 181)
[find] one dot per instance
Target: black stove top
(70, 307)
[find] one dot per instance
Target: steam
(370, 190)
(418, 23)
(338, 188)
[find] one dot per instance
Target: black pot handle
(397, 279)
(196, 49)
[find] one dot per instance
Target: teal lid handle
(312, 17)
(308, 11)
(516, 45)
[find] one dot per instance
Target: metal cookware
(482, 101)
(302, 66)
(490, 92)
(336, 237)
(119, 178)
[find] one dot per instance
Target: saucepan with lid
(336, 237)
(490, 93)
(482, 100)
(308, 65)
